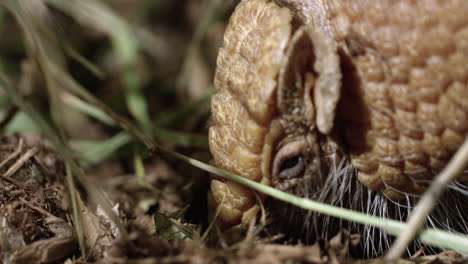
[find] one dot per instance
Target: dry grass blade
(161, 134)
(42, 45)
(213, 220)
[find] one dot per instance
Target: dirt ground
(37, 226)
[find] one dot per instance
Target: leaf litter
(36, 226)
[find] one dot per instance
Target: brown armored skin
(302, 84)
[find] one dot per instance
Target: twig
(41, 164)
(16, 165)
(37, 208)
(20, 162)
(13, 155)
(456, 165)
(11, 180)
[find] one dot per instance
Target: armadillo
(353, 103)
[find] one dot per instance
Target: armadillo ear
(328, 86)
(310, 80)
(295, 83)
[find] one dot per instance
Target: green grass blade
(93, 68)
(21, 123)
(94, 151)
(125, 44)
(430, 236)
(176, 116)
(87, 108)
(75, 209)
(180, 138)
(174, 137)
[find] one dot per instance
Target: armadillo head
(277, 90)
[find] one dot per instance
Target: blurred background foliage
(104, 81)
(151, 61)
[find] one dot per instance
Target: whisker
(342, 188)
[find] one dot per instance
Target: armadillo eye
(291, 167)
(289, 161)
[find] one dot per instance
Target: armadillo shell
(404, 106)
